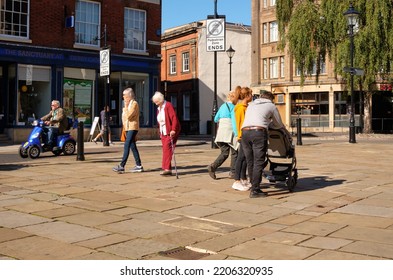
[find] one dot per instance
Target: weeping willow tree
(315, 29)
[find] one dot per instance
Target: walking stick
(174, 158)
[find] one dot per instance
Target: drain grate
(182, 253)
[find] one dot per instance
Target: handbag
(123, 135)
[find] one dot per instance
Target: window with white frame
(14, 18)
(265, 69)
(87, 23)
(186, 106)
(172, 64)
(186, 61)
(134, 29)
(265, 34)
(272, 2)
(265, 3)
(282, 66)
(273, 31)
(273, 68)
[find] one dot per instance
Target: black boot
(212, 172)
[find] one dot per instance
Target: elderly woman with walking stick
(169, 128)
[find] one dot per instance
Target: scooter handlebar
(38, 122)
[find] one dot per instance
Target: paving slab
(64, 232)
(14, 219)
(370, 248)
(104, 241)
(7, 234)
(327, 243)
(139, 228)
(365, 234)
(137, 248)
(261, 250)
(40, 248)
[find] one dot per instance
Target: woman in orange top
(241, 183)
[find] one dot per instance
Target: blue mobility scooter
(36, 142)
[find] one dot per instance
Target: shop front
(31, 77)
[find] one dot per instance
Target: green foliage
(313, 29)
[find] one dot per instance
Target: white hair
(158, 96)
(130, 92)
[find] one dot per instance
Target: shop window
(87, 23)
(134, 29)
(34, 93)
(77, 99)
(313, 108)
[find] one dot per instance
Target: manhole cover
(182, 253)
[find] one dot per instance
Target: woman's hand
(172, 133)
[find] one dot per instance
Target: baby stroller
(281, 159)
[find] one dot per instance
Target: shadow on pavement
(304, 185)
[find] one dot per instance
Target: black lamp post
(352, 19)
(230, 53)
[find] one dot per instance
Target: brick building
(51, 50)
(187, 71)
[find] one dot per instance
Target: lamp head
(352, 16)
(230, 52)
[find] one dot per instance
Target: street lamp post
(230, 53)
(352, 16)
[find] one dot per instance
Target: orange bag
(123, 135)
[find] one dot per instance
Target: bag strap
(230, 111)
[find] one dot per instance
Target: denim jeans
(51, 132)
(130, 144)
(254, 143)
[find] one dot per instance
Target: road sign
(354, 71)
(215, 35)
(105, 58)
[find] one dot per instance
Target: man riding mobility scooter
(49, 135)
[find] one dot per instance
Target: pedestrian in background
(169, 128)
(226, 135)
(130, 119)
(260, 114)
(103, 126)
(241, 182)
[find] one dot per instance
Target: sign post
(105, 71)
(215, 42)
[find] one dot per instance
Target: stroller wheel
(291, 183)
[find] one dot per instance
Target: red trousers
(167, 151)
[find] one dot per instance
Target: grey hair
(57, 102)
(158, 96)
(130, 92)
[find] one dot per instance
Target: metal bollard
(299, 131)
(80, 153)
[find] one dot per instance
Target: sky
(179, 12)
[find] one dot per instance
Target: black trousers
(254, 143)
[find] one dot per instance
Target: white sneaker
(246, 183)
(137, 169)
(237, 185)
